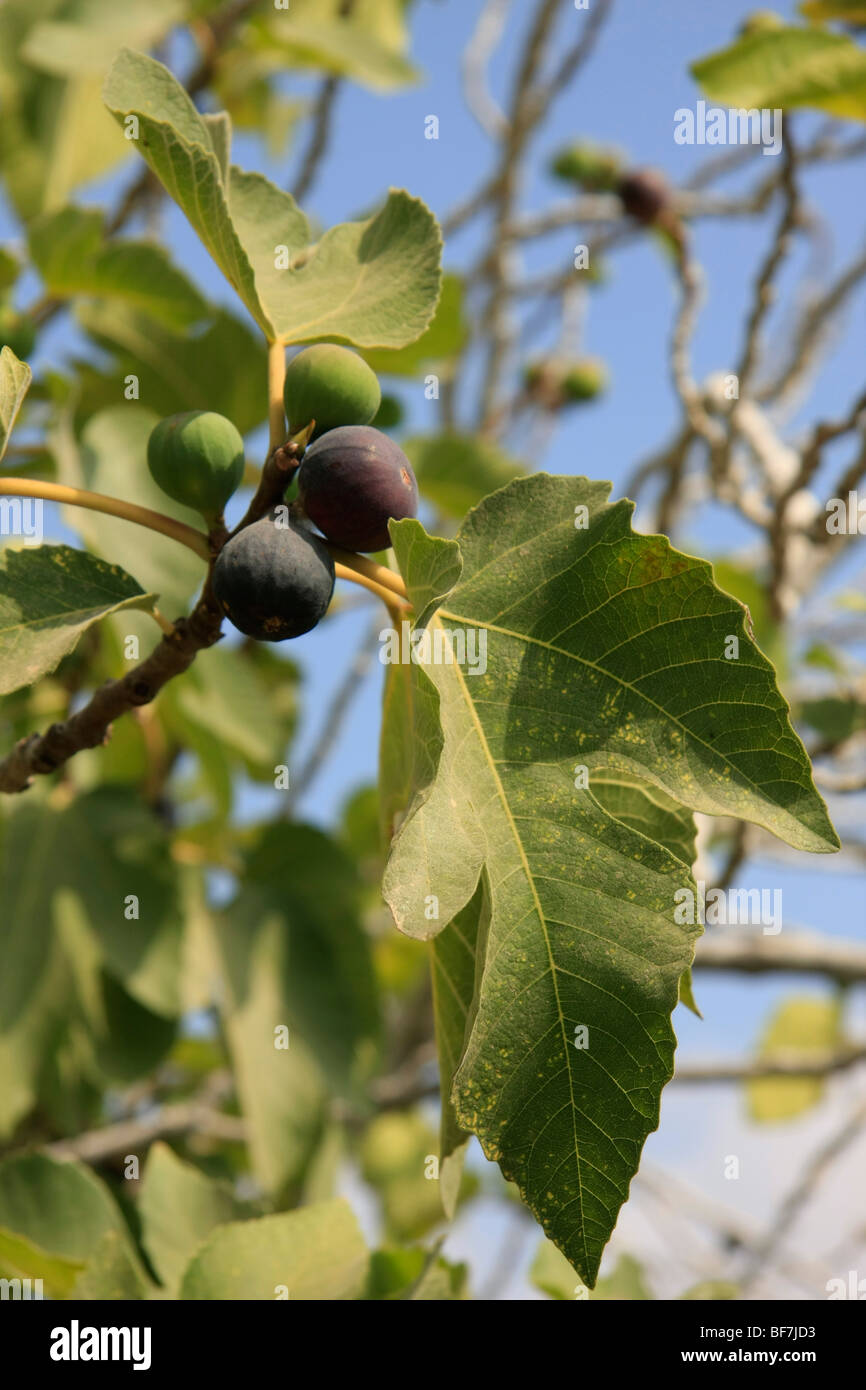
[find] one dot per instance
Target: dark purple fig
(274, 579)
(644, 193)
(354, 480)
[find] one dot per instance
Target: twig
(799, 952)
(684, 325)
(276, 381)
(796, 1200)
(112, 506)
(322, 117)
(822, 434)
(763, 294)
(780, 1064)
(736, 855)
(132, 1136)
(362, 567)
(476, 55)
(334, 716)
(530, 100)
(809, 337)
(843, 782)
(737, 1232)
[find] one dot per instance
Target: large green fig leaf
(179, 1207)
(604, 650)
(297, 994)
(175, 370)
(61, 1207)
(102, 860)
(314, 1254)
(788, 67)
(71, 255)
(371, 283)
(49, 596)
(84, 38)
(367, 46)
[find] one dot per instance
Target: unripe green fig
(16, 332)
(275, 578)
(198, 459)
(352, 481)
(592, 166)
(555, 382)
(584, 380)
(331, 385)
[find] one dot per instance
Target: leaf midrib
(500, 790)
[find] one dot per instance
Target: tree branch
(41, 754)
(780, 1064)
(798, 953)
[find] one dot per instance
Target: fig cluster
(274, 578)
(353, 479)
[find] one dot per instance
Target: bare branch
(812, 331)
(322, 118)
(763, 292)
(799, 952)
(200, 1115)
(476, 56)
(815, 1169)
(781, 1064)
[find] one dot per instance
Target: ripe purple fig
(352, 481)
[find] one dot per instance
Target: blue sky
(627, 97)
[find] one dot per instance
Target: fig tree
(352, 481)
(275, 578)
(331, 385)
(198, 459)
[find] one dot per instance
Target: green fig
(331, 385)
(198, 459)
(594, 167)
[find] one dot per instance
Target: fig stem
(112, 506)
(356, 577)
(361, 565)
(276, 381)
(162, 621)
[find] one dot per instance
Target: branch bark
(41, 754)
